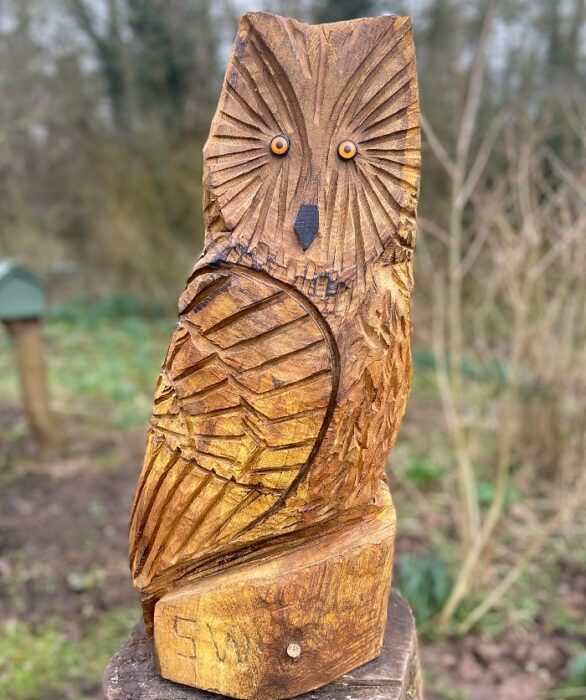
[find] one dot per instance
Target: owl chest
(259, 358)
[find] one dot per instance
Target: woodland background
(104, 107)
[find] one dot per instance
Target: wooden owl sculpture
(261, 536)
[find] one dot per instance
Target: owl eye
(347, 150)
(279, 145)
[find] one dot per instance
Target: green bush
(577, 675)
(422, 472)
(425, 582)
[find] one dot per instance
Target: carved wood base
(394, 675)
(285, 626)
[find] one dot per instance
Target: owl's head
(313, 153)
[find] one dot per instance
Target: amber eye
(347, 150)
(279, 145)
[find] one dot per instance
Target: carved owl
(287, 374)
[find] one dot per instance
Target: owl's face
(314, 149)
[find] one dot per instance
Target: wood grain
(240, 411)
(132, 673)
(287, 375)
(280, 628)
(319, 85)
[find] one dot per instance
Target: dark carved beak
(307, 224)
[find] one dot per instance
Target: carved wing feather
(240, 409)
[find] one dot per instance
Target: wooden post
(132, 673)
(261, 536)
(27, 342)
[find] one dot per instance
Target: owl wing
(240, 410)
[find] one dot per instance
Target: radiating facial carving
(316, 141)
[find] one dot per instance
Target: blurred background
(104, 108)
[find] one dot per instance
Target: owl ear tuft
(262, 22)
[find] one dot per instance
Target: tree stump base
(132, 673)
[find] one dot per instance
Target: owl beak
(307, 224)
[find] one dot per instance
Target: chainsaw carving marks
(319, 86)
(241, 408)
(288, 372)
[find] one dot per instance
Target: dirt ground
(63, 524)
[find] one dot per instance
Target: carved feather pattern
(240, 410)
(287, 375)
(319, 85)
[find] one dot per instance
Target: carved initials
(224, 642)
(186, 630)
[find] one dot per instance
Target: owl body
(288, 372)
